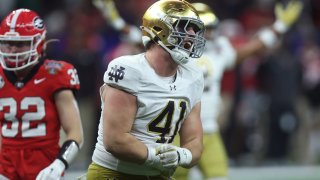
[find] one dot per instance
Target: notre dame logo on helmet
(116, 73)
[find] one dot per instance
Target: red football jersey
(28, 115)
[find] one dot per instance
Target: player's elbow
(111, 142)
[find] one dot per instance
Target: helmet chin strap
(179, 56)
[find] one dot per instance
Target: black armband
(68, 152)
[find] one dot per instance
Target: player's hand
(162, 157)
(133, 35)
(172, 156)
(153, 159)
(169, 157)
(286, 16)
(109, 11)
(167, 165)
(53, 172)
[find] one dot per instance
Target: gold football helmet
(167, 22)
(206, 15)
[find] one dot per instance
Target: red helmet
(22, 36)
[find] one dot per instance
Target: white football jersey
(162, 106)
(218, 56)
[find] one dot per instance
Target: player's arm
(118, 114)
(69, 115)
(268, 37)
(191, 135)
(130, 33)
(254, 46)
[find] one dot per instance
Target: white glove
(169, 157)
(53, 171)
(167, 165)
(153, 159)
(173, 156)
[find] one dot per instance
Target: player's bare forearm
(253, 47)
(69, 115)
(196, 148)
(126, 147)
(191, 134)
(118, 116)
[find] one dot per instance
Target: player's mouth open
(187, 45)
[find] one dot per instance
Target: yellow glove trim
(286, 16)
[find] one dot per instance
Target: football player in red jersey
(36, 100)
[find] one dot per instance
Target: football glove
(287, 16)
(167, 165)
(109, 11)
(153, 159)
(173, 156)
(53, 172)
(168, 156)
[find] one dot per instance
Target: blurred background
(273, 100)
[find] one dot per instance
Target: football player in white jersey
(149, 98)
(213, 163)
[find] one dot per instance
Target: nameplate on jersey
(116, 73)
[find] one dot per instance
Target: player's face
(14, 46)
(188, 41)
(189, 31)
(15, 53)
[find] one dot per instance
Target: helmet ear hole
(156, 28)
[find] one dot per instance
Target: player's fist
(287, 15)
(172, 156)
(53, 172)
(169, 157)
(153, 159)
(164, 158)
